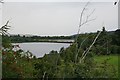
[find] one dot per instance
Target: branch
(80, 48)
(87, 21)
(81, 16)
(81, 24)
(91, 13)
(87, 51)
(5, 28)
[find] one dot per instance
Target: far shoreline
(43, 42)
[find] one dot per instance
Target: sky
(58, 18)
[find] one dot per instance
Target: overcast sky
(57, 18)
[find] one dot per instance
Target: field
(111, 59)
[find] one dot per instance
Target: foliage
(97, 64)
(15, 65)
(6, 43)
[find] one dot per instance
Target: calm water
(40, 48)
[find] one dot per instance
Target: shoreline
(47, 41)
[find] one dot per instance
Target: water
(39, 49)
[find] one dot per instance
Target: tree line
(18, 38)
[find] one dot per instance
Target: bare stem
(81, 23)
(87, 51)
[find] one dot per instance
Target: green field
(111, 59)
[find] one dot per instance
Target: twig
(87, 21)
(81, 16)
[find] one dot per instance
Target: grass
(112, 59)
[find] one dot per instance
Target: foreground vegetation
(100, 62)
